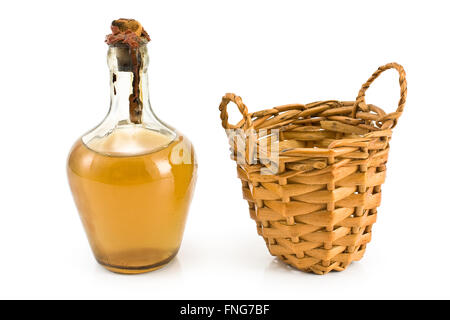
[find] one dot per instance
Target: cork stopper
(129, 32)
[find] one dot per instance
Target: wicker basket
(316, 210)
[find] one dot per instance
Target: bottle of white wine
(132, 177)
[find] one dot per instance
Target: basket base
(322, 267)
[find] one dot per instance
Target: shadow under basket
(312, 174)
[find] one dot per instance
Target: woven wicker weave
(317, 210)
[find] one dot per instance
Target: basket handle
(231, 97)
(361, 102)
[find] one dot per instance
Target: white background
(54, 87)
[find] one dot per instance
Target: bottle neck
(129, 83)
(130, 104)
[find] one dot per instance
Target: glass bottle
(132, 177)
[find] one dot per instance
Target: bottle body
(133, 207)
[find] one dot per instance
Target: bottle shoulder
(167, 162)
(128, 140)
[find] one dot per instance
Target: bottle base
(139, 269)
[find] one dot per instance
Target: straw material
(316, 211)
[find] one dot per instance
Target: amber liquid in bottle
(132, 177)
(132, 206)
